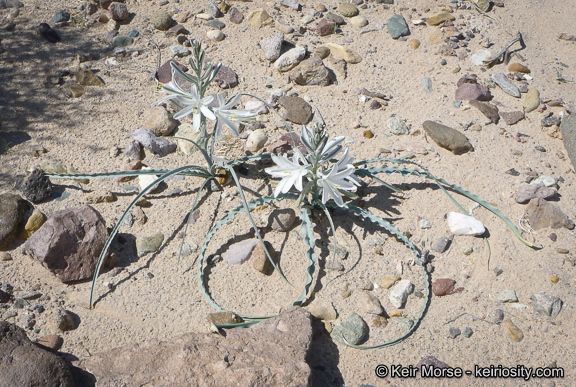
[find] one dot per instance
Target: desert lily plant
(320, 175)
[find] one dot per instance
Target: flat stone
(235, 16)
(298, 111)
(568, 130)
(341, 52)
(177, 30)
(440, 245)
(426, 83)
(216, 24)
(158, 145)
(414, 43)
(339, 20)
(69, 243)
(447, 137)
(292, 4)
(472, 91)
(259, 258)
(359, 21)
(240, 252)
(51, 342)
(148, 244)
(431, 361)
(34, 222)
(530, 191)
(179, 50)
(488, 109)
(271, 353)
(397, 126)
(388, 282)
(215, 35)
(186, 130)
(75, 90)
(36, 186)
(226, 78)
(353, 330)
(290, 59)
(437, 18)
(370, 303)
(542, 214)
(322, 309)
(550, 121)
(484, 5)
(347, 9)
(12, 211)
(516, 333)
(311, 72)
(507, 296)
(481, 55)
(325, 27)
(512, 118)
(60, 16)
(454, 332)
(546, 305)
(400, 292)
(272, 46)
(224, 318)
(531, 100)
(506, 85)
(122, 41)
(27, 364)
(397, 26)
(467, 332)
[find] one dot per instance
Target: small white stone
(145, 180)
(215, 35)
(290, 59)
(358, 21)
(204, 16)
(240, 252)
(478, 58)
(257, 107)
(256, 140)
(400, 293)
(548, 181)
(464, 225)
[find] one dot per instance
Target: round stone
(347, 9)
(215, 35)
(359, 21)
(256, 140)
(161, 20)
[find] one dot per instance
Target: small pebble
(454, 332)
(515, 333)
(467, 332)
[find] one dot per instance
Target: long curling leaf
(202, 172)
(308, 233)
(225, 219)
(124, 214)
(440, 182)
(333, 237)
(419, 259)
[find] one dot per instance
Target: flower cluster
(194, 103)
(333, 180)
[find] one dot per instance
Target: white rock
(240, 252)
(464, 225)
(548, 181)
(186, 130)
(290, 59)
(400, 293)
(358, 21)
(257, 107)
(481, 55)
(215, 35)
(145, 180)
(256, 140)
(204, 16)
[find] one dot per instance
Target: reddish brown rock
(542, 214)
(472, 91)
(164, 73)
(488, 109)
(325, 27)
(512, 118)
(271, 353)
(444, 287)
(69, 243)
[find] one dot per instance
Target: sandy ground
(155, 297)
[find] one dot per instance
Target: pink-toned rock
(325, 27)
(530, 191)
(512, 118)
(69, 243)
(164, 73)
(271, 353)
(542, 214)
(472, 91)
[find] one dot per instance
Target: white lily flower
(348, 162)
(291, 172)
(191, 103)
(336, 180)
(231, 117)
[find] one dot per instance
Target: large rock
(447, 137)
(36, 186)
(568, 129)
(542, 214)
(397, 26)
(290, 59)
(23, 363)
(298, 111)
(12, 210)
(158, 145)
(271, 353)
(69, 243)
(311, 72)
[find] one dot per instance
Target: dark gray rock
(467, 332)
(506, 85)
(48, 33)
(69, 243)
(271, 353)
(36, 186)
(550, 121)
(11, 4)
(448, 138)
(282, 219)
(158, 145)
(488, 109)
(60, 16)
(298, 111)
(546, 305)
(512, 118)
(531, 191)
(134, 151)
(454, 332)
(472, 91)
(568, 130)
(397, 26)
(542, 214)
(23, 363)
(216, 24)
(335, 18)
(12, 211)
(226, 78)
(440, 245)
